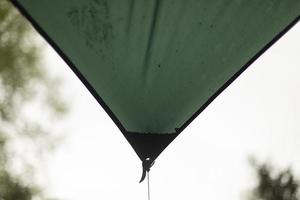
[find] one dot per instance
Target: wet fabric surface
(154, 63)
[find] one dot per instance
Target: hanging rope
(147, 164)
(148, 178)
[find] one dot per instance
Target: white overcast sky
(259, 114)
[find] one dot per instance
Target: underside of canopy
(154, 65)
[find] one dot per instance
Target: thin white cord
(148, 178)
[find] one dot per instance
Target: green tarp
(154, 65)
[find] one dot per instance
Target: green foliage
(18, 57)
(23, 82)
(12, 189)
(275, 186)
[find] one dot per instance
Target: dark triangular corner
(149, 145)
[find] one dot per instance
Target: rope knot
(147, 164)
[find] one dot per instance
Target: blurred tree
(274, 186)
(24, 84)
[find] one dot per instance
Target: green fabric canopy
(154, 65)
